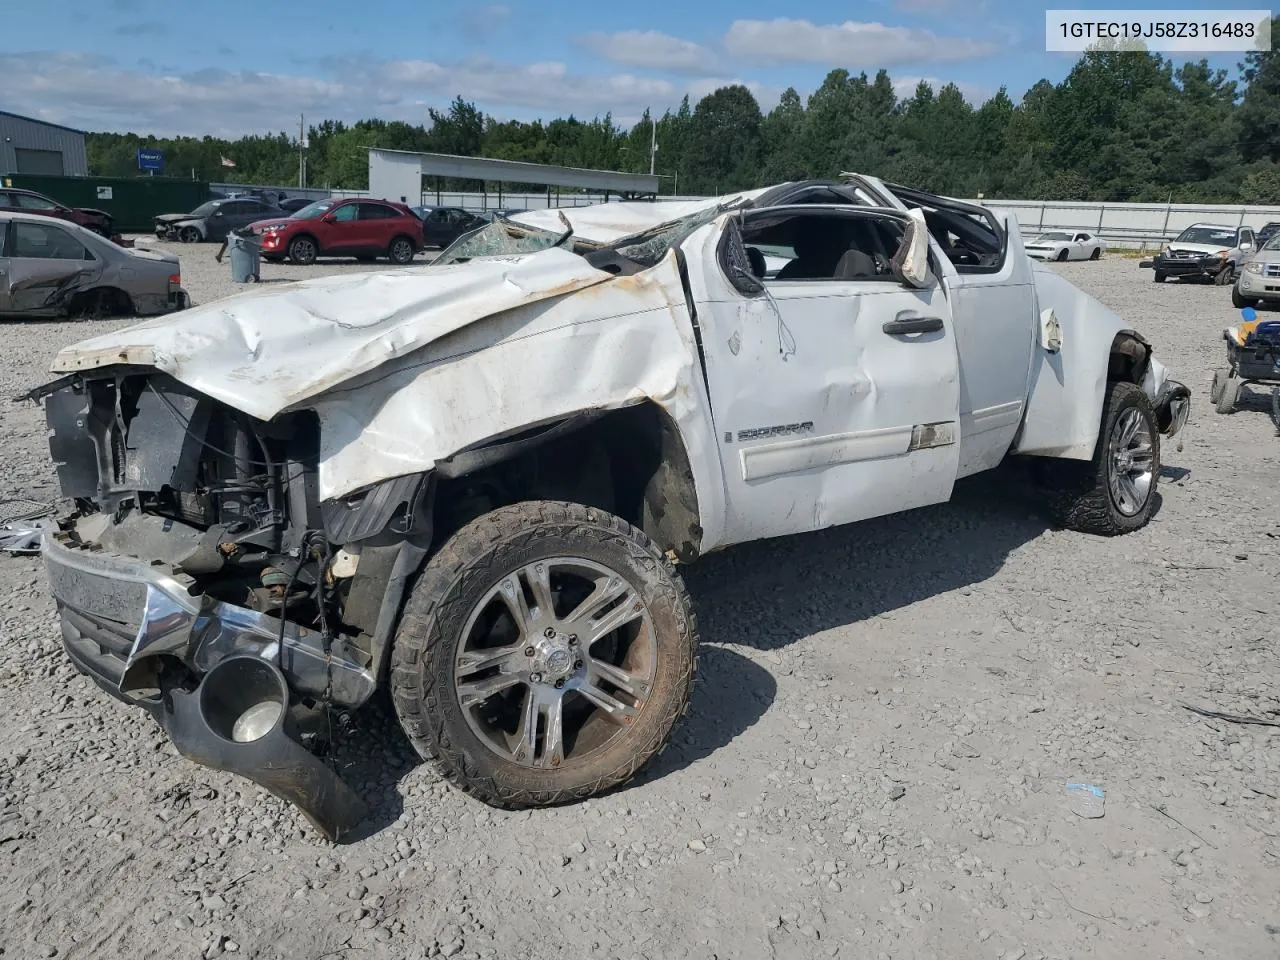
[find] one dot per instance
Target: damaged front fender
(1090, 345)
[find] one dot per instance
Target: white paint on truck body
(813, 360)
(816, 413)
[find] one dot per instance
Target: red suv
(14, 200)
(361, 228)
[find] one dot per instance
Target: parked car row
(302, 231)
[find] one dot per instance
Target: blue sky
(239, 66)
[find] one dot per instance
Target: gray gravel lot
(873, 766)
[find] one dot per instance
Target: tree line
(1121, 126)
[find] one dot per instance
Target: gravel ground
(874, 764)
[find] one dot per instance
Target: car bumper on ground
(134, 628)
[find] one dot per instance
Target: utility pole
(302, 140)
(653, 140)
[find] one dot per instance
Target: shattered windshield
(650, 246)
(644, 249)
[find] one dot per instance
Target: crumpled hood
(1198, 247)
(175, 217)
(268, 350)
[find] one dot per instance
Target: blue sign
(150, 160)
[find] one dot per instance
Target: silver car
(51, 268)
(1260, 277)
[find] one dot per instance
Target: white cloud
(95, 93)
(849, 44)
(550, 86)
(651, 49)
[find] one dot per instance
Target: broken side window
(970, 235)
(744, 266)
(822, 244)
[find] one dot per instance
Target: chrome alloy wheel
(1130, 453)
(555, 662)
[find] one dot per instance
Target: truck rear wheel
(1115, 492)
(545, 654)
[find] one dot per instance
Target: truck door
(834, 388)
(991, 286)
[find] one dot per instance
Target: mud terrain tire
(1081, 497)
(433, 633)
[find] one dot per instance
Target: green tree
(459, 131)
(1260, 109)
(724, 143)
(781, 143)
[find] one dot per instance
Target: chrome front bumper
(126, 622)
(120, 612)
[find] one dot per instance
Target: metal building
(397, 174)
(33, 146)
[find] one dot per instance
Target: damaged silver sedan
(50, 268)
(471, 482)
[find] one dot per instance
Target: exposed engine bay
(159, 471)
(197, 539)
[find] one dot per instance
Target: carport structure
(397, 175)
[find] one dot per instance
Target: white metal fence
(1122, 225)
(470, 200)
(1129, 225)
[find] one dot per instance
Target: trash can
(246, 257)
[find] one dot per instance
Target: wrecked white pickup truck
(469, 481)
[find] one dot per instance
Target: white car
(469, 482)
(1059, 245)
